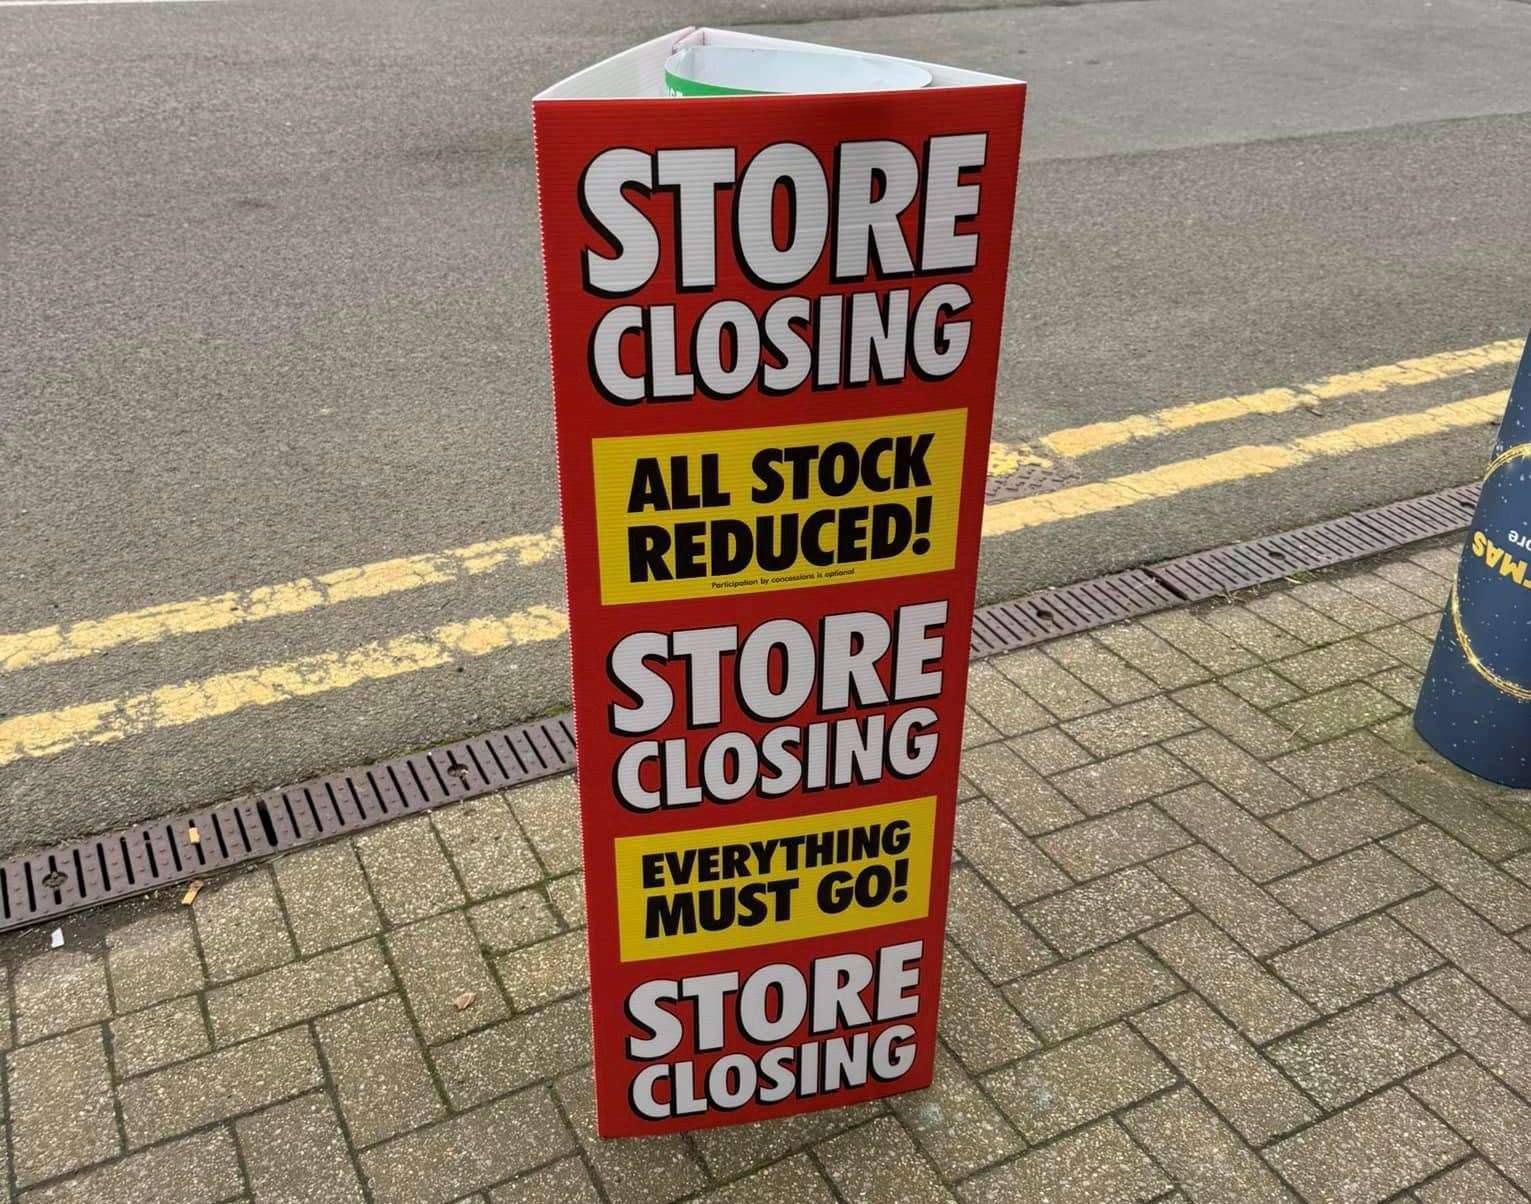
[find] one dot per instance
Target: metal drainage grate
(1363, 533)
(1028, 479)
(1053, 612)
(148, 856)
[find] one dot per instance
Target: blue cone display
(1475, 705)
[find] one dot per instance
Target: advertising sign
(1475, 704)
(774, 324)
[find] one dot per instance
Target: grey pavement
(272, 308)
(1221, 930)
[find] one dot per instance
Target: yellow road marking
(1096, 436)
(52, 732)
(49, 645)
(49, 733)
(66, 642)
(1005, 458)
(1236, 464)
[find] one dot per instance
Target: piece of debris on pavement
(193, 889)
(466, 1000)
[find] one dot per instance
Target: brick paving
(1221, 930)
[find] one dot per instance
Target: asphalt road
(271, 308)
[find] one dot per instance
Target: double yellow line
(51, 732)
(1236, 464)
(1098, 436)
(67, 642)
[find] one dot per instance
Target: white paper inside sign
(639, 72)
(790, 72)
